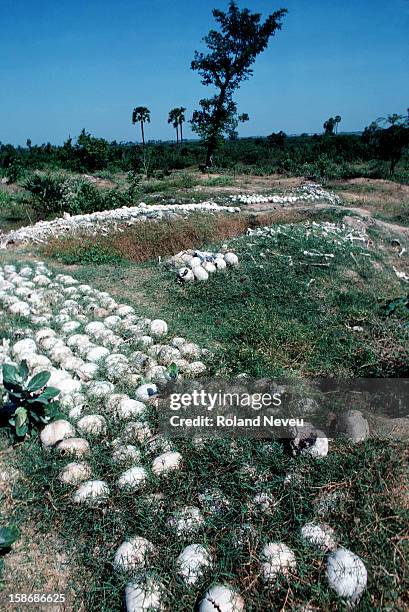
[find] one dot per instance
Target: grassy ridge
(267, 317)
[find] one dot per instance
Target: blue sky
(71, 64)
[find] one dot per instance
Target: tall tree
(277, 140)
(181, 120)
(390, 138)
(173, 118)
(337, 122)
(232, 51)
(329, 125)
(142, 115)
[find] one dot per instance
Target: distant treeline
(317, 156)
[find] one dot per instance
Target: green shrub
(219, 181)
(47, 192)
(55, 194)
(82, 198)
(259, 156)
(29, 403)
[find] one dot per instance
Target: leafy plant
(29, 403)
(47, 191)
(8, 535)
(173, 371)
(92, 153)
(15, 170)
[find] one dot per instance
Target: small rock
(74, 473)
(133, 554)
(185, 275)
(192, 561)
(209, 267)
(189, 350)
(144, 595)
(93, 424)
(353, 425)
(166, 462)
(128, 408)
(346, 574)
(320, 535)
(195, 369)
(75, 413)
(100, 389)
(231, 259)
(88, 371)
(277, 558)
(158, 328)
(307, 440)
(133, 478)
(96, 354)
(221, 598)
(113, 400)
(24, 348)
(146, 392)
(200, 273)
(91, 491)
(220, 264)
(55, 432)
(76, 447)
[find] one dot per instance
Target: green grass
(219, 181)
(90, 254)
(179, 180)
(15, 211)
(265, 319)
(396, 214)
(368, 521)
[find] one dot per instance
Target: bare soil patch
(99, 182)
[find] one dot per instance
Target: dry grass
(147, 241)
(386, 199)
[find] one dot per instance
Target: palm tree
(181, 119)
(394, 118)
(174, 120)
(141, 114)
(337, 122)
